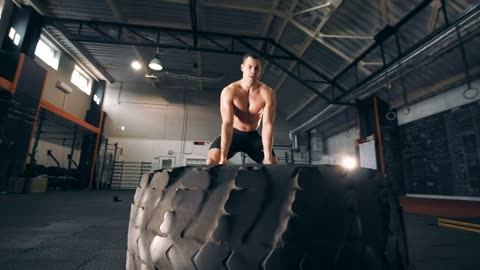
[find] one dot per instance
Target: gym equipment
(391, 114)
(266, 217)
(55, 170)
(106, 164)
(126, 174)
(20, 91)
(470, 92)
(34, 170)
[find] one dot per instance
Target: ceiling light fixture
(155, 64)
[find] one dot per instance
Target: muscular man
(243, 105)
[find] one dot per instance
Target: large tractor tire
(276, 217)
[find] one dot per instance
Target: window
(96, 99)
(47, 52)
(81, 80)
(166, 163)
(13, 35)
(195, 161)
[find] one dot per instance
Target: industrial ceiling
(320, 55)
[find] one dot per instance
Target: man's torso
(248, 106)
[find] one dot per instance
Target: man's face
(251, 69)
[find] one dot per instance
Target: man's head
(251, 67)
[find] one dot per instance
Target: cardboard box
(34, 185)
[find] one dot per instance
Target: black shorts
(248, 142)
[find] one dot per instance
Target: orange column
(379, 132)
(95, 154)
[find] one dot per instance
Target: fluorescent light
(136, 65)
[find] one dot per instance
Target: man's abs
(246, 125)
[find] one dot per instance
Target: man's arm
(226, 110)
(267, 126)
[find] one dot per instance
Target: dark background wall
(441, 153)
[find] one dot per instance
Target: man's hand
(223, 161)
(270, 160)
(267, 126)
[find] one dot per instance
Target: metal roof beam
(344, 36)
(193, 21)
(281, 30)
(99, 72)
(236, 7)
(288, 16)
(280, 66)
(332, 7)
(434, 17)
(147, 32)
(406, 55)
(102, 33)
(305, 46)
(381, 37)
(312, 9)
(114, 5)
(384, 10)
(301, 107)
(268, 23)
(270, 18)
(159, 24)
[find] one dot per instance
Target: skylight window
(48, 53)
(81, 80)
(13, 35)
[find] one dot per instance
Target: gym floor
(88, 230)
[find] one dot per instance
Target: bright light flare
(136, 65)
(349, 163)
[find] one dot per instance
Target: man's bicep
(269, 114)
(226, 107)
(270, 109)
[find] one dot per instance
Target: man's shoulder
(266, 90)
(231, 87)
(229, 91)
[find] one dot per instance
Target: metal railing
(127, 175)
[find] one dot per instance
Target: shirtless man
(243, 105)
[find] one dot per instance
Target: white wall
(77, 102)
(158, 120)
(149, 150)
(60, 152)
(442, 102)
(338, 146)
(151, 113)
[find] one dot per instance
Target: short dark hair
(252, 55)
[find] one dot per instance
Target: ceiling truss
(148, 36)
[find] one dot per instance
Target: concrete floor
(88, 230)
(64, 230)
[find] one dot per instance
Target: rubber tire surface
(266, 217)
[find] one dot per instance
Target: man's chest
(251, 104)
